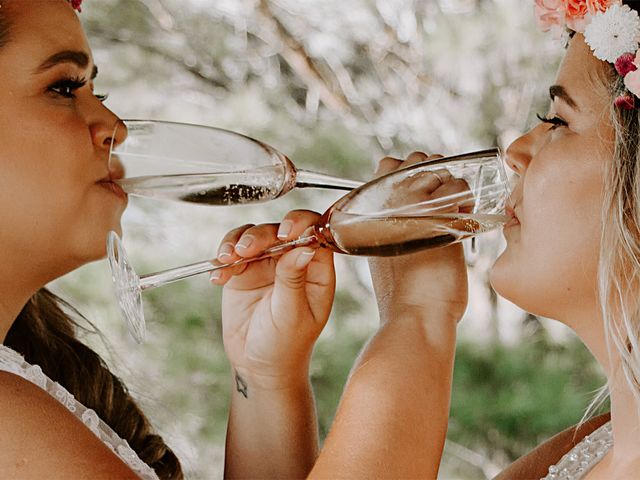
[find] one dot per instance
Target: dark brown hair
(45, 333)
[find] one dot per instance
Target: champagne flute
(425, 205)
(207, 165)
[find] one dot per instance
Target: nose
(107, 129)
(524, 148)
(518, 154)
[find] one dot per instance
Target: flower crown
(611, 29)
(75, 4)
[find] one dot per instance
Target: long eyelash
(555, 121)
(71, 83)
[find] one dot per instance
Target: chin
(532, 297)
(499, 277)
(508, 284)
(93, 247)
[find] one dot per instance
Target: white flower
(613, 32)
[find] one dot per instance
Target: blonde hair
(619, 262)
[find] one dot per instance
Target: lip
(112, 175)
(513, 218)
(113, 188)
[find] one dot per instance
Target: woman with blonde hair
(572, 254)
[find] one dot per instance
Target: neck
(11, 304)
(17, 285)
(625, 420)
(625, 415)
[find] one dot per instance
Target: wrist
(428, 311)
(293, 378)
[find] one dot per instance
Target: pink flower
(632, 82)
(575, 14)
(75, 4)
(550, 15)
(595, 6)
(575, 8)
(625, 64)
(579, 12)
(626, 102)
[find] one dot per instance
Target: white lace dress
(579, 461)
(11, 361)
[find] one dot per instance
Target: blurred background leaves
(336, 85)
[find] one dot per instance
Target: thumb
(291, 270)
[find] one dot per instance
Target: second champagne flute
(429, 204)
(207, 165)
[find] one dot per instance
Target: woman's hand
(273, 310)
(421, 281)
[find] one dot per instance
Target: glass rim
(489, 154)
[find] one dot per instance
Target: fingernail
(285, 229)
(226, 250)
(245, 242)
(305, 257)
(215, 275)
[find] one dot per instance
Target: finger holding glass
(274, 309)
(407, 280)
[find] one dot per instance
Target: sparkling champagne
(398, 235)
(225, 188)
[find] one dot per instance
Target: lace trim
(576, 463)
(11, 361)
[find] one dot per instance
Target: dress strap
(12, 362)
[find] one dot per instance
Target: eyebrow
(558, 91)
(76, 57)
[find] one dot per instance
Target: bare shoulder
(40, 438)
(536, 463)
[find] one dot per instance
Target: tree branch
(152, 49)
(296, 56)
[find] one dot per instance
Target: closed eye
(554, 121)
(67, 87)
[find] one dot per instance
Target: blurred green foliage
(534, 389)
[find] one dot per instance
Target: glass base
(127, 287)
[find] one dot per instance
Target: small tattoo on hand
(241, 385)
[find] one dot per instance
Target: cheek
(41, 173)
(50, 144)
(36, 206)
(46, 189)
(551, 259)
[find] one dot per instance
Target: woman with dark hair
(572, 254)
(58, 203)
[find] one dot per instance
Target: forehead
(584, 77)
(40, 28)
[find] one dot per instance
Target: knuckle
(301, 213)
(416, 157)
(261, 231)
(236, 232)
(240, 230)
(387, 164)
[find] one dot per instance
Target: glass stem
(164, 277)
(308, 179)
